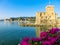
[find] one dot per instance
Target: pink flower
(43, 34)
(36, 39)
(53, 40)
(58, 32)
(41, 39)
(46, 43)
(26, 39)
(25, 43)
(54, 30)
(58, 37)
(49, 37)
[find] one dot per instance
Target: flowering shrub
(46, 38)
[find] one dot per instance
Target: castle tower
(50, 9)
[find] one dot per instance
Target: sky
(25, 8)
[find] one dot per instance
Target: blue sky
(18, 8)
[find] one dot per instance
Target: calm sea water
(11, 33)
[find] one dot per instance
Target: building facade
(49, 17)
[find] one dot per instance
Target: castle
(47, 18)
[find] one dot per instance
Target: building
(49, 17)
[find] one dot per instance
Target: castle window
(46, 16)
(41, 21)
(44, 13)
(41, 17)
(50, 20)
(40, 14)
(52, 13)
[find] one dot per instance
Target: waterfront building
(49, 17)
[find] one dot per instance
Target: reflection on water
(38, 31)
(43, 28)
(11, 33)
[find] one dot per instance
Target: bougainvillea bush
(46, 38)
